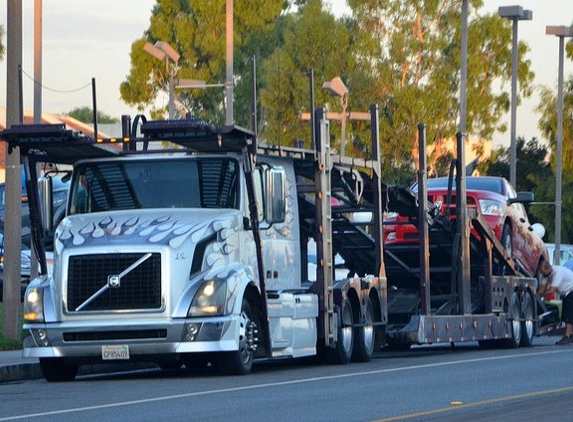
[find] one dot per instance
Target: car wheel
(506, 239)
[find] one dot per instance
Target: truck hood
(141, 227)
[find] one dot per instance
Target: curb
(30, 371)
(19, 372)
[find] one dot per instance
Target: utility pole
(13, 210)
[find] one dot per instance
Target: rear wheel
(527, 327)
(364, 336)
(240, 362)
(514, 315)
(56, 370)
(342, 352)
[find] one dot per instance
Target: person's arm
(545, 290)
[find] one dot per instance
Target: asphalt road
(425, 383)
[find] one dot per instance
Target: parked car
(60, 188)
(25, 267)
(497, 202)
(565, 254)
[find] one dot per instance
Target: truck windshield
(207, 182)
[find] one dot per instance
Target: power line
(59, 91)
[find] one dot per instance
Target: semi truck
(187, 244)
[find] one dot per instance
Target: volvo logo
(113, 281)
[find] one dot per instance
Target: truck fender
(238, 278)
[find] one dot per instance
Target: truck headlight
(210, 299)
(489, 207)
(34, 305)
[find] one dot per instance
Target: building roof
(50, 118)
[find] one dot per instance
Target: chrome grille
(139, 289)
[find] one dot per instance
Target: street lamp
(164, 52)
(337, 88)
(195, 83)
(561, 32)
(515, 14)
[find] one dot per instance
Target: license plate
(115, 352)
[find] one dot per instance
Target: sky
(84, 40)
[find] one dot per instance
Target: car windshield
(490, 184)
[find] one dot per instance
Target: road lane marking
(476, 404)
(284, 383)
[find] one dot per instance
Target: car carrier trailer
(197, 255)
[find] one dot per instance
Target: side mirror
(523, 197)
(539, 229)
(46, 195)
(275, 195)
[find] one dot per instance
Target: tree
(311, 39)
(417, 62)
(85, 114)
(532, 169)
(2, 48)
(535, 174)
(548, 126)
(197, 31)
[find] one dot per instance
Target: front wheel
(505, 241)
(56, 370)
(342, 352)
(240, 362)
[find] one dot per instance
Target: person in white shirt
(559, 279)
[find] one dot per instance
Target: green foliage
(417, 62)
(403, 55)
(2, 48)
(532, 165)
(311, 39)
(534, 174)
(547, 107)
(197, 31)
(8, 343)
(85, 115)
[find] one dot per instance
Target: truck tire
(513, 317)
(342, 352)
(56, 370)
(527, 325)
(240, 362)
(364, 338)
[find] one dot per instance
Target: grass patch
(8, 343)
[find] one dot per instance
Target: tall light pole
(337, 88)
(561, 32)
(13, 210)
(229, 62)
(515, 14)
(164, 52)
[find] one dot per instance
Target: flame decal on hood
(145, 228)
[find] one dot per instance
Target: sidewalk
(14, 367)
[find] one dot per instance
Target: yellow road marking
(459, 405)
